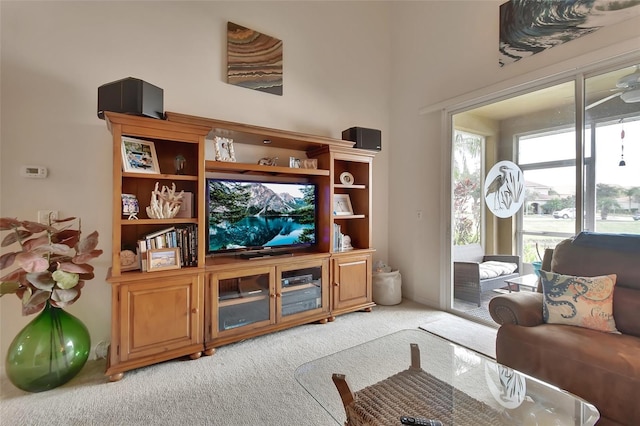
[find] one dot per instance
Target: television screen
(253, 215)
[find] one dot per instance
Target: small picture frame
(163, 259)
(224, 149)
(342, 205)
(139, 156)
(309, 163)
(294, 162)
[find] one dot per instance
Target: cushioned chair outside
(467, 282)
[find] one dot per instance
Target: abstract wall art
(254, 60)
(528, 27)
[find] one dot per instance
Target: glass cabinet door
(243, 300)
(301, 290)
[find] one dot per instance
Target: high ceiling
(596, 88)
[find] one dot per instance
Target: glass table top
(518, 398)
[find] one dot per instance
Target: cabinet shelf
(179, 220)
(246, 168)
(349, 216)
(342, 186)
(160, 176)
(242, 300)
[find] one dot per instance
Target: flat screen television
(248, 215)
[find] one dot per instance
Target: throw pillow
(580, 301)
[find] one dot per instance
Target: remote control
(419, 421)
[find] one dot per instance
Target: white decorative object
(268, 161)
(128, 261)
(346, 242)
(165, 204)
(504, 189)
(507, 386)
(346, 178)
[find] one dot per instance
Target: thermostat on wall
(33, 172)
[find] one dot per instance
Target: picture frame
(163, 259)
(342, 205)
(139, 156)
(224, 149)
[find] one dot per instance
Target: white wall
(369, 64)
(441, 51)
(56, 54)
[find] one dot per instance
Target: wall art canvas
(528, 27)
(254, 60)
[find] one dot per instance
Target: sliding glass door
(581, 166)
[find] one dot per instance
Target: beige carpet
(250, 382)
(479, 337)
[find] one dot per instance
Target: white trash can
(387, 287)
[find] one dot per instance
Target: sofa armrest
(522, 308)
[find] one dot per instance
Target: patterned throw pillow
(580, 301)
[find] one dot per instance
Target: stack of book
(184, 237)
(337, 237)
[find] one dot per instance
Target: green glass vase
(49, 351)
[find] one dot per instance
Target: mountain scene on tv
(253, 214)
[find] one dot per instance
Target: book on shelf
(183, 237)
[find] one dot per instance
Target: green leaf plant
(52, 262)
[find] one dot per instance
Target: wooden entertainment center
(166, 314)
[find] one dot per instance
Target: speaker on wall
(131, 96)
(364, 138)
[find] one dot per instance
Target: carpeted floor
(480, 338)
(248, 382)
(478, 312)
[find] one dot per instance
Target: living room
(369, 64)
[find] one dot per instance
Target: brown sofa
(603, 368)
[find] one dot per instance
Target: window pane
(612, 174)
(547, 147)
(550, 200)
(467, 183)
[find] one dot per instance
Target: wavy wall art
(254, 60)
(528, 27)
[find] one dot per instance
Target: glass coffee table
(415, 373)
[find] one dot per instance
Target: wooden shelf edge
(342, 186)
(245, 168)
(159, 176)
(247, 133)
(174, 221)
(349, 216)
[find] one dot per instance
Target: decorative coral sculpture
(165, 204)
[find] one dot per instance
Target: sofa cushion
(579, 301)
(493, 268)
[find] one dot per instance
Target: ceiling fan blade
(603, 100)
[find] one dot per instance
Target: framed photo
(139, 156)
(224, 149)
(162, 259)
(342, 205)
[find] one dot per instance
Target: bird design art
(506, 188)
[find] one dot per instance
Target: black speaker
(364, 138)
(131, 96)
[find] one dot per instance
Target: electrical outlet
(419, 215)
(45, 215)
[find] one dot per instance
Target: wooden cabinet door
(160, 315)
(351, 281)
